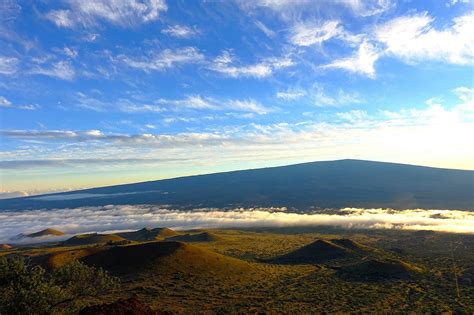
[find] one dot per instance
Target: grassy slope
(226, 276)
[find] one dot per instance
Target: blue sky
(104, 92)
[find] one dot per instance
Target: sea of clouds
(114, 218)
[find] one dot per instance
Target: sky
(103, 92)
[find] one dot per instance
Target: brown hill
(200, 237)
(350, 244)
(378, 270)
(147, 234)
(46, 232)
(316, 252)
(58, 259)
(5, 247)
(94, 238)
(168, 258)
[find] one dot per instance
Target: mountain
(379, 270)
(93, 238)
(321, 251)
(147, 234)
(46, 232)
(168, 258)
(199, 237)
(329, 184)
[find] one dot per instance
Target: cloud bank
(127, 217)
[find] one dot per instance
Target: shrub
(26, 289)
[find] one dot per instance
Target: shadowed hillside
(94, 238)
(334, 184)
(46, 232)
(199, 237)
(379, 270)
(322, 251)
(147, 234)
(167, 258)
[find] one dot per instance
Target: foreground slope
(167, 257)
(343, 183)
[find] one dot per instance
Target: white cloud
(198, 102)
(129, 217)
(466, 95)
(308, 34)
(180, 31)
(60, 69)
(4, 194)
(7, 104)
(362, 62)
(70, 52)
(354, 116)
(165, 59)
(290, 94)
(8, 65)
(414, 39)
(4, 102)
(340, 98)
(368, 7)
(432, 135)
(225, 64)
(122, 13)
(362, 8)
(265, 29)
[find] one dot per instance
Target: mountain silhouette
(329, 184)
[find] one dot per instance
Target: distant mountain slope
(335, 184)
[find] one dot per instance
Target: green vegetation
(331, 270)
(147, 234)
(26, 289)
(198, 237)
(94, 238)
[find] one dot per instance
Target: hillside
(345, 271)
(199, 237)
(333, 184)
(167, 258)
(5, 247)
(379, 270)
(46, 232)
(147, 234)
(94, 238)
(321, 251)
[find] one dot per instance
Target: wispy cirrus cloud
(363, 8)
(123, 13)
(163, 60)
(9, 65)
(226, 64)
(5, 103)
(339, 98)
(435, 128)
(314, 33)
(194, 102)
(60, 69)
(199, 102)
(180, 31)
(291, 94)
(362, 62)
(267, 31)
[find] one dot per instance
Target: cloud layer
(126, 217)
